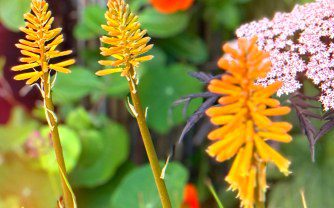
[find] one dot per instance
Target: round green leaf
(71, 149)
(103, 152)
(160, 87)
(79, 119)
(138, 190)
(163, 25)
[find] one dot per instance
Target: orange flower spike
(243, 115)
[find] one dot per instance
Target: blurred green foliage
(11, 13)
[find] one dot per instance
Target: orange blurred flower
(171, 6)
(243, 116)
(190, 197)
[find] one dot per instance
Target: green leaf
(71, 149)
(160, 87)
(17, 131)
(159, 60)
(229, 16)
(103, 152)
(116, 85)
(99, 197)
(186, 46)
(11, 13)
(315, 179)
(79, 119)
(72, 87)
(163, 25)
(90, 25)
(138, 190)
(135, 5)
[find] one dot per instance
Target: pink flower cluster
(299, 42)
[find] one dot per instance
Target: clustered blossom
(299, 42)
(244, 121)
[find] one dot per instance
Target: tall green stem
(259, 205)
(49, 108)
(147, 140)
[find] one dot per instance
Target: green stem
(67, 195)
(147, 140)
(214, 194)
(259, 205)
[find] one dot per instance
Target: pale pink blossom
(301, 41)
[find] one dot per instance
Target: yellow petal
(66, 63)
(108, 71)
(224, 110)
(268, 153)
(221, 120)
(25, 75)
(24, 66)
(226, 100)
(246, 160)
(28, 48)
(144, 58)
(222, 144)
(286, 138)
(279, 111)
(111, 63)
(232, 177)
(232, 150)
(59, 69)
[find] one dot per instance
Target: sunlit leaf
(160, 87)
(11, 13)
(71, 149)
(137, 189)
(103, 152)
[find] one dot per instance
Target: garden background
(104, 153)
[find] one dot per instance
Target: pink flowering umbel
(299, 42)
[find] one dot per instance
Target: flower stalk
(39, 47)
(149, 147)
(125, 46)
(49, 109)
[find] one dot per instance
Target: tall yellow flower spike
(243, 119)
(126, 40)
(38, 50)
(40, 45)
(127, 45)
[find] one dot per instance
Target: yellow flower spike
(243, 116)
(38, 49)
(125, 46)
(126, 41)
